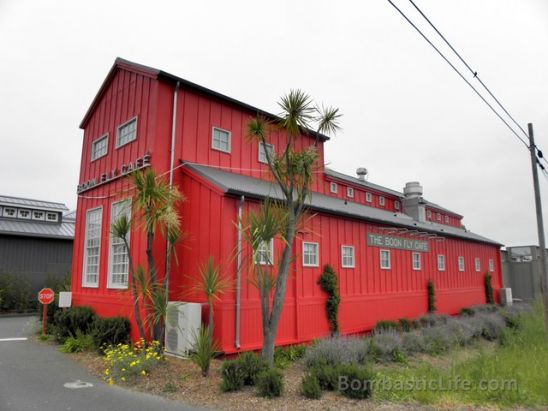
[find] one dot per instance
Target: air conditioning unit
(506, 296)
(183, 322)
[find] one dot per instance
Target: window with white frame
(333, 187)
(428, 214)
(477, 263)
(441, 262)
(350, 192)
(118, 256)
(385, 259)
(220, 140)
(438, 216)
(447, 219)
(38, 215)
(368, 197)
(347, 256)
(10, 212)
(397, 205)
(265, 253)
(491, 266)
(52, 216)
(25, 214)
(92, 248)
(262, 152)
(381, 201)
(127, 132)
(310, 254)
(416, 258)
(99, 147)
(461, 263)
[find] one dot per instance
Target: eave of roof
(32, 203)
(61, 231)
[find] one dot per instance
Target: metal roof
(31, 203)
(63, 230)
(237, 184)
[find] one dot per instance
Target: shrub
(431, 320)
(337, 350)
(385, 325)
(405, 324)
(251, 365)
(283, 356)
(233, 376)
(125, 362)
(436, 340)
(326, 375)
(413, 342)
(492, 326)
(79, 343)
(354, 381)
(310, 387)
(488, 289)
(15, 293)
(328, 283)
(110, 331)
(387, 346)
(513, 315)
(460, 330)
(431, 297)
(467, 312)
(270, 383)
(204, 350)
(67, 322)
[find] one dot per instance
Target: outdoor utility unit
(506, 296)
(183, 322)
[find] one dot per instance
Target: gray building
(521, 271)
(35, 239)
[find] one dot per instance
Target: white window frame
(438, 216)
(428, 214)
(382, 201)
(262, 153)
(317, 254)
(38, 218)
(416, 267)
(259, 260)
(385, 267)
(491, 265)
(86, 283)
(441, 262)
(333, 187)
(50, 213)
(97, 140)
(461, 264)
(349, 192)
(397, 205)
(477, 264)
(446, 218)
(352, 256)
(368, 197)
(228, 151)
(20, 212)
(118, 145)
(14, 209)
(110, 283)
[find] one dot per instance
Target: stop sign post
(45, 297)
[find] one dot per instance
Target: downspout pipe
(171, 166)
(239, 273)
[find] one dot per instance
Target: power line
(459, 73)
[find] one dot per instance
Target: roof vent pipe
(413, 203)
(361, 172)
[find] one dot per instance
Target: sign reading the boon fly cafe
(380, 240)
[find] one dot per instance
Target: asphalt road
(32, 377)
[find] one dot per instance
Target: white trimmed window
(38, 215)
(52, 216)
(477, 263)
(441, 262)
(416, 258)
(25, 214)
(347, 256)
(10, 212)
(92, 248)
(350, 192)
(265, 253)
(438, 216)
(310, 254)
(262, 152)
(368, 197)
(385, 259)
(447, 219)
(127, 132)
(99, 147)
(381, 201)
(491, 266)
(428, 214)
(220, 140)
(397, 205)
(333, 187)
(461, 263)
(118, 259)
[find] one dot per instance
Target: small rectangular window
(221, 140)
(310, 254)
(262, 152)
(461, 263)
(416, 261)
(99, 147)
(118, 256)
(10, 212)
(438, 216)
(25, 214)
(491, 266)
(441, 262)
(428, 214)
(347, 256)
(38, 215)
(381, 200)
(447, 219)
(385, 259)
(397, 205)
(92, 248)
(52, 216)
(127, 132)
(368, 197)
(265, 253)
(333, 187)
(477, 263)
(349, 192)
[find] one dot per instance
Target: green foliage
(310, 387)
(251, 365)
(467, 312)
(284, 356)
(270, 383)
(328, 283)
(126, 362)
(405, 324)
(489, 299)
(169, 388)
(15, 294)
(78, 343)
(67, 322)
(355, 381)
(431, 297)
(57, 284)
(233, 376)
(326, 375)
(386, 325)
(110, 331)
(204, 350)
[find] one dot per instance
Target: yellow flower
(123, 378)
(110, 381)
(107, 371)
(143, 372)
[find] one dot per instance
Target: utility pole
(540, 225)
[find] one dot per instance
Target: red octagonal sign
(46, 296)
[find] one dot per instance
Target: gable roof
(31, 203)
(237, 184)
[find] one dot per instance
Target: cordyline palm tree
(292, 172)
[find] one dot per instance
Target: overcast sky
(407, 116)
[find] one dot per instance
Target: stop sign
(46, 296)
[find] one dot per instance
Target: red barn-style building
(383, 244)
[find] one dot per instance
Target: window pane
(126, 133)
(221, 140)
(119, 259)
(92, 247)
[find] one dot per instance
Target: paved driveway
(32, 377)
